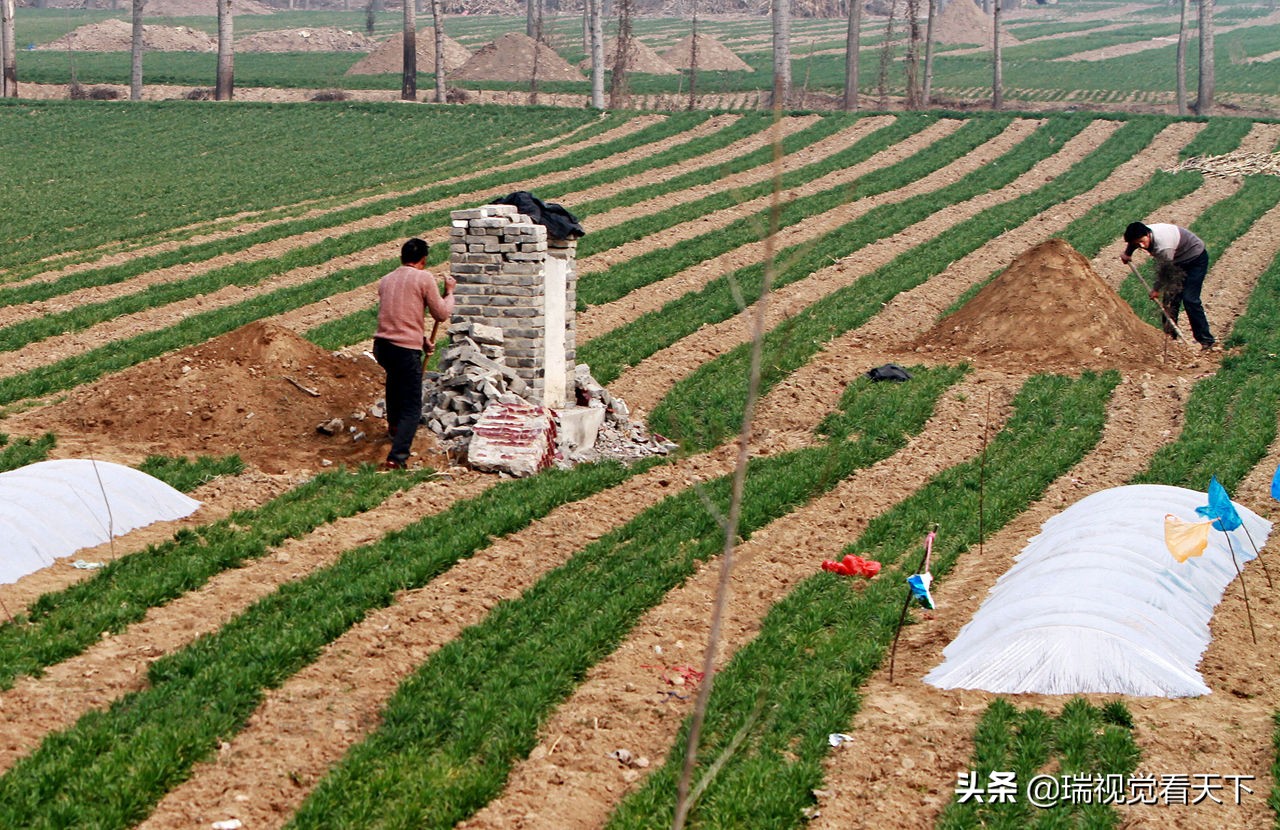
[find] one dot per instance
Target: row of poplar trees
(919, 79)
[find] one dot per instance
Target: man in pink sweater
(405, 296)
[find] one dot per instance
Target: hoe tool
(1177, 331)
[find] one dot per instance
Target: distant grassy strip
(720, 299)
(704, 407)
(24, 451)
(651, 267)
(111, 767)
(453, 730)
(798, 680)
(356, 325)
(62, 624)
(1085, 742)
(186, 474)
(311, 255)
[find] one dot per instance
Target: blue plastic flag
(1275, 485)
(920, 588)
(1220, 508)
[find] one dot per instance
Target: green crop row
(24, 451)
(702, 408)
(1084, 740)
(725, 296)
(801, 673)
(111, 767)
(453, 730)
(62, 624)
(186, 474)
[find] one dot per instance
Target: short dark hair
(415, 250)
(1135, 231)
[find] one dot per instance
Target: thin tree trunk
(913, 54)
(1204, 97)
(596, 30)
(781, 53)
(8, 51)
(409, 75)
(886, 58)
(224, 90)
(997, 80)
(693, 60)
(621, 54)
(533, 19)
(437, 20)
(852, 52)
(135, 52)
(1181, 94)
(927, 95)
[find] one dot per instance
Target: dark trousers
(1195, 271)
(404, 394)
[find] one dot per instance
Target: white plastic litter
(55, 508)
(1096, 603)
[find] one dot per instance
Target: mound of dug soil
(712, 55)
(327, 39)
(239, 393)
(117, 36)
(1049, 310)
(640, 58)
(388, 56)
(962, 21)
(514, 57)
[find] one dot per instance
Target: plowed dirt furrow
(348, 302)
(267, 250)
(668, 237)
(242, 223)
(603, 318)
(570, 782)
(1122, 49)
(117, 665)
(645, 384)
(56, 348)
(922, 736)
(305, 726)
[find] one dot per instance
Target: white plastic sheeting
(1096, 603)
(55, 508)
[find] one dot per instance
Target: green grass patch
(23, 451)
(186, 474)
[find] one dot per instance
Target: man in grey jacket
(1181, 260)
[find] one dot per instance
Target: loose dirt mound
(712, 55)
(512, 57)
(233, 395)
(963, 22)
(306, 40)
(388, 56)
(117, 36)
(1049, 310)
(640, 58)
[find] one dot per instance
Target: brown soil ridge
(388, 56)
(712, 55)
(516, 57)
(1049, 307)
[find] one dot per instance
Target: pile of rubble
(475, 394)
